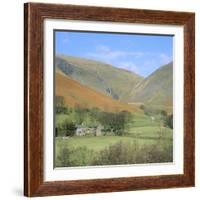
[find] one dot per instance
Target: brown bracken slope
(76, 94)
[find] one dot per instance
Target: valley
(107, 115)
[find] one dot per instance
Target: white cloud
(130, 66)
(107, 54)
(164, 58)
(135, 61)
(103, 48)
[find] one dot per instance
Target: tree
(69, 127)
(79, 114)
(163, 113)
(142, 107)
(169, 121)
(115, 121)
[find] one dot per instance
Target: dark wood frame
(34, 15)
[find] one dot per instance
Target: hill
(156, 89)
(105, 78)
(128, 87)
(76, 94)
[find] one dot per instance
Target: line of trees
(112, 122)
(115, 122)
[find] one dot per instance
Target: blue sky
(142, 54)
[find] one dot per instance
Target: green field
(143, 137)
(99, 143)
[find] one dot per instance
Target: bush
(69, 157)
(115, 121)
(69, 127)
(169, 121)
(163, 113)
(142, 107)
(132, 153)
(60, 105)
(156, 154)
(119, 153)
(64, 158)
(62, 110)
(116, 154)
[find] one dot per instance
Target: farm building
(81, 131)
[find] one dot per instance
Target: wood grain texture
(34, 15)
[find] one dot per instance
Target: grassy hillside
(76, 94)
(102, 77)
(156, 89)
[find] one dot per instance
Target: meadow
(145, 138)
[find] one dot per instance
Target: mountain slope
(76, 94)
(156, 89)
(112, 81)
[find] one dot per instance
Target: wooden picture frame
(34, 16)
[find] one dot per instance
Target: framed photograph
(108, 99)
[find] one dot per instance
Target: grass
(151, 132)
(82, 95)
(88, 150)
(93, 145)
(142, 134)
(145, 135)
(91, 142)
(156, 89)
(99, 76)
(141, 120)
